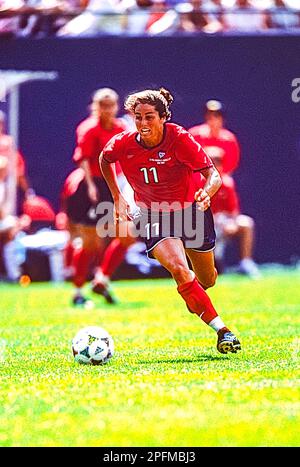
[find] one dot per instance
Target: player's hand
(203, 199)
(121, 210)
(93, 193)
(24, 222)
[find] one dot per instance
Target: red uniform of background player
(158, 161)
(92, 134)
(223, 147)
(230, 223)
(12, 177)
(212, 134)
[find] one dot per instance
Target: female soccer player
(158, 161)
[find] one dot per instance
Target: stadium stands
(90, 18)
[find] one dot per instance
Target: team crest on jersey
(161, 154)
(92, 213)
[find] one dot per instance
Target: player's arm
(84, 151)
(92, 189)
(121, 207)
(22, 179)
(192, 154)
(212, 184)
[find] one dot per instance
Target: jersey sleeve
(114, 149)
(85, 148)
(191, 153)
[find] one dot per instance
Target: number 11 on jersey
(146, 173)
(155, 227)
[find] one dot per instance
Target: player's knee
(245, 222)
(180, 272)
(209, 280)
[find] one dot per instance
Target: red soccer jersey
(162, 173)
(91, 139)
(226, 199)
(226, 141)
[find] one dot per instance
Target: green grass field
(166, 385)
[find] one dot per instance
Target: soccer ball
(92, 345)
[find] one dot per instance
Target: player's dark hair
(161, 99)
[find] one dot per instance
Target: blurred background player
(229, 222)
(85, 188)
(15, 191)
(114, 252)
(223, 147)
(16, 180)
(10, 227)
(212, 133)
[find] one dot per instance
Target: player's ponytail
(167, 95)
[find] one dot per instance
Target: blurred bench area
(92, 18)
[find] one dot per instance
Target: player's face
(106, 109)
(149, 124)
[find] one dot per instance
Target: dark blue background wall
(251, 75)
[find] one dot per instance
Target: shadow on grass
(199, 358)
(98, 304)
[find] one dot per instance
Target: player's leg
(201, 251)
(170, 253)
(202, 260)
(204, 267)
(9, 243)
(116, 250)
(203, 264)
(221, 244)
(113, 256)
(82, 217)
(82, 261)
(245, 232)
(73, 245)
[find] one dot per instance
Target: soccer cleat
(227, 342)
(249, 268)
(80, 300)
(101, 289)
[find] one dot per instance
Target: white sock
(10, 259)
(100, 277)
(216, 324)
(78, 291)
(56, 263)
(246, 262)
